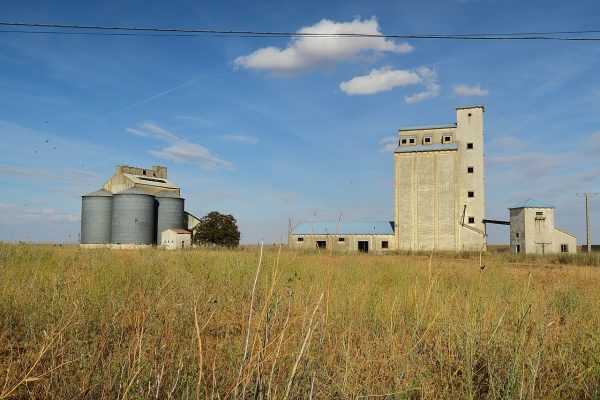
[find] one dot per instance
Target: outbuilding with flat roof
(377, 236)
(532, 230)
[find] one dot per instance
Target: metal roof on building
(345, 228)
(427, 127)
(134, 190)
(99, 193)
(531, 203)
(152, 181)
(426, 147)
(473, 106)
(178, 231)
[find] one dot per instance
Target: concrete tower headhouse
(439, 185)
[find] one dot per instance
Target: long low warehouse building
(375, 236)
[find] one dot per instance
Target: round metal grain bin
(133, 217)
(170, 213)
(96, 217)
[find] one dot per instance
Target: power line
(103, 30)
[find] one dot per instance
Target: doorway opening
(363, 246)
(321, 244)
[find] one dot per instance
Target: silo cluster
(132, 216)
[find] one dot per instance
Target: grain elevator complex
(135, 207)
(439, 200)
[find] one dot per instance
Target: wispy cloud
(13, 213)
(380, 80)
(239, 139)
(389, 144)
(469, 91)
(11, 171)
(507, 143)
(303, 53)
(430, 78)
(179, 150)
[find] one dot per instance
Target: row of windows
(321, 243)
(564, 248)
(447, 139)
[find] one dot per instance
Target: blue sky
(272, 129)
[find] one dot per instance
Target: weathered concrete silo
(96, 217)
(170, 213)
(133, 217)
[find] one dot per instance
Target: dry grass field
(223, 324)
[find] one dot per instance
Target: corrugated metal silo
(170, 213)
(133, 217)
(96, 217)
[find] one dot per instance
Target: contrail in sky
(156, 96)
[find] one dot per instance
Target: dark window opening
(403, 141)
(341, 239)
(447, 138)
(470, 194)
(144, 172)
(471, 220)
(153, 180)
(384, 244)
(301, 239)
(517, 234)
(470, 146)
(539, 213)
(470, 170)
(518, 248)
(564, 248)
(321, 244)
(363, 246)
(427, 140)
(412, 141)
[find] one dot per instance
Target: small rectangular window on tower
(341, 239)
(403, 141)
(447, 139)
(384, 244)
(301, 239)
(471, 220)
(412, 141)
(470, 170)
(426, 139)
(470, 146)
(470, 194)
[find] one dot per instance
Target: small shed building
(532, 230)
(377, 236)
(173, 239)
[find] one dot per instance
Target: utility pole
(587, 218)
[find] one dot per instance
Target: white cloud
(389, 144)
(380, 80)
(136, 132)
(430, 78)
(306, 52)
(180, 150)
(193, 154)
(239, 139)
(464, 90)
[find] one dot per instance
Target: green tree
(217, 229)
